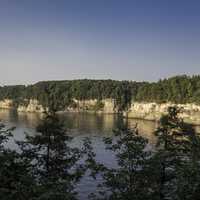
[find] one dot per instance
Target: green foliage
(130, 180)
(98, 106)
(170, 172)
(55, 164)
(62, 93)
(15, 179)
(48, 168)
(179, 89)
(177, 158)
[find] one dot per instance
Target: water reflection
(80, 125)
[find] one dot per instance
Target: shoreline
(124, 115)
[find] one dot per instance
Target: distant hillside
(179, 89)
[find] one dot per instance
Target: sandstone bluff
(148, 111)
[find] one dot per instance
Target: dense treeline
(179, 89)
(62, 92)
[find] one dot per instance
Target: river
(79, 125)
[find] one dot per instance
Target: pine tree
(130, 180)
(176, 154)
(15, 179)
(56, 165)
(189, 171)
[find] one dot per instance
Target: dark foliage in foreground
(171, 172)
(46, 167)
(15, 179)
(130, 180)
(178, 148)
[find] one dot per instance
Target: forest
(178, 89)
(45, 166)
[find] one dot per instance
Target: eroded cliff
(153, 111)
(148, 111)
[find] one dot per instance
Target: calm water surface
(79, 125)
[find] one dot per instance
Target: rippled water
(79, 125)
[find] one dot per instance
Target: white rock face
(88, 105)
(153, 111)
(85, 104)
(109, 106)
(33, 106)
(7, 104)
(149, 111)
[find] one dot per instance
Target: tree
(15, 179)
(56, 165)
(177, 144)
(130, 180)
(178, 89)
(189, 172)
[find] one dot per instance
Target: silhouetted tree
(15, 179)
(130, 180)
(56, 165)
(176, 154)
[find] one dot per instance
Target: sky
(98, 39)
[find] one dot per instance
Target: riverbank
(138, 110)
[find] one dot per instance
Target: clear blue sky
(101, 39)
